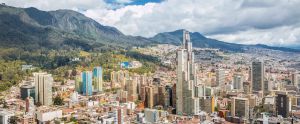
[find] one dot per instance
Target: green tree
(58, 100)
(13, 120)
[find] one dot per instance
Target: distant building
(257, 75)
(240, 107)
(220, 77)
(296, 79)
(98, 79)
(149, 100)
(44, 114)
(43, 88)
(78, 83)
(87, 87)
(27, 91)
(151, 115)
(238, 81)
(282, 104)
(5, 116)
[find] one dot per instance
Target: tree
(13, 120)
(58, 100)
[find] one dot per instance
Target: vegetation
(58, 100)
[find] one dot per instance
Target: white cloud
(272, 22)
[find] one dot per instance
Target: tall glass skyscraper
(97, 79)
(186, 102)
(257, 75)
(87, 87)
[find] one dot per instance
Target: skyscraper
(240, 107)
(257, 75)
(43, 88)
(87, 87)
(282, 104)
(238, 81)
(97, 79)
(186, 102)
(220, 77)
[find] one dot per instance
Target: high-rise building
(87, 87)
(257, 75)
(43, 88)
(78, 83)
(220, 77)
(186, 102)
(98, 79)
(149, 100)
(282, 104)
(240, 107)
(131, 87)
(238, 81)
(296, 79)
(27, 91)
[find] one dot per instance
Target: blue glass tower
(97, 79)
(87, 87)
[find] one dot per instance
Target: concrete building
(87, 88)
(43, 88)
(240, 107)
(98, 79)
(282, 104)
(27, 91)
(45, 114)
(151, 116)
(220, 77)
(149, 100)
(186, 102)
(238, 81)
(5, 116)
(257, 76)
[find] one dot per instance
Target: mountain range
(30, 28)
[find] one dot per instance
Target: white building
(43, 88)
(151, 115)
(4, 116)
(44, 114)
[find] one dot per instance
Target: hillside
(32, 28)
(201, 41)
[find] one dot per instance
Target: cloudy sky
(271, 22)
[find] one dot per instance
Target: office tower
(257, 75)
(120, 114)
(98, 79)
(220, 77)
(295, 79)
(122, 96)
(149, 100)
(151, 115)
(78, 83)
(174, 96)
(161, 95)
(238, 81)
(169, 94)
(240, 107)
(87, 87)
(186, 102)
(27, 91)
(131, 88)
(282, 104)
(43, 88)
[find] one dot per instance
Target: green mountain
(201, 41)
(30, 28)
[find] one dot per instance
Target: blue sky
(271, 22)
